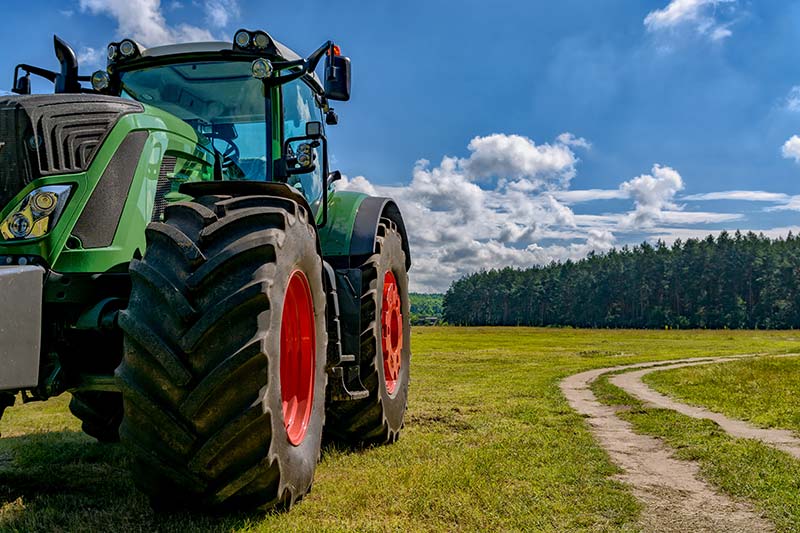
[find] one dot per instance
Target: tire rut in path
(676, 499)
(631, 382)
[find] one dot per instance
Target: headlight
(261, 68)
(260, 39)
(100, 80)
(242, 38)
(127, 48)
(37, 213)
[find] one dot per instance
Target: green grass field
(761, 391)
(490, 444)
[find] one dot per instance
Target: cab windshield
(220, 100)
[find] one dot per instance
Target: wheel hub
(298, 353)
(391, 332)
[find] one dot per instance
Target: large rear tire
(385, 348)
(99, 412)
(223, 376)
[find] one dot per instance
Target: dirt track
(675, 497)
(631, 382)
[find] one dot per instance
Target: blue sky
(516, 133)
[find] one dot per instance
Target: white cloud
(791, 148)
(793, 99)
(683, 218)
(488, 210)
(507, 204)
(652, 194)
(720, 32)
(792, 204)
(747, 196)
(519, 158)
(358, 184)
(589, 195)
(700, 15)
(569, 139)
(670, 235)
(220, 13)
(143, 21)
(90, 58)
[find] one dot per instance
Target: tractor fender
(247, 188)
(365, 226)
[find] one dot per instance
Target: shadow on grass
(66, 481)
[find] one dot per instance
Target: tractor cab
(254, 103)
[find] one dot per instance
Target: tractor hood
(48, 135)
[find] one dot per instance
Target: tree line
(425, 308)
(731, 281)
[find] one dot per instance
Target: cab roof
(285, 52)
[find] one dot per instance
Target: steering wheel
(230, 157)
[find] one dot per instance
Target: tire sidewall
(392, 259)
(297, 463)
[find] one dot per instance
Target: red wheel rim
(298, 350)
(391, 332)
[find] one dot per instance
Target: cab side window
(299, 108)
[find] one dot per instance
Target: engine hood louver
(48, 135)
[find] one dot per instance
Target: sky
(519, 133)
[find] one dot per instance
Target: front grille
(47, 135)
(164, 186)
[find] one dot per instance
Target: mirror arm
(49, 75)
(306, 66)
(314, 59)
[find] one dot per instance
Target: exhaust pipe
(67, 80)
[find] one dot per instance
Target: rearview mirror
(23, 84)
(301, 156)
(337, 78)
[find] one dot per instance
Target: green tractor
(173, 254)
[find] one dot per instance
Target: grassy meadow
(489, 444)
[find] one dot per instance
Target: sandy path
(631, 382)
(675, 497)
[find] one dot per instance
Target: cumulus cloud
(791, 149)
(508, 204)
(487, 210)
(519, 158)
(700, 15)
(652, 194)
(144, 21)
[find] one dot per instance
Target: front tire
(223, 377)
